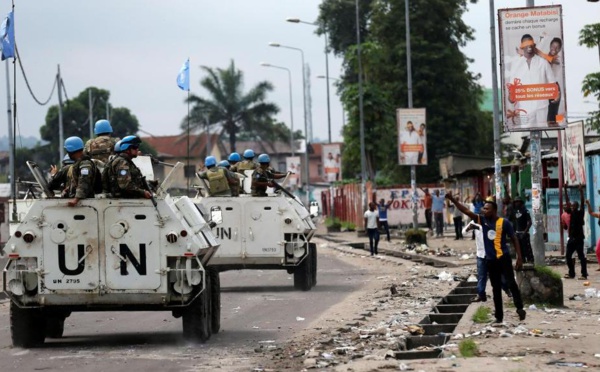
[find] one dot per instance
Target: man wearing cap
(122, 178)
(220, 180)
(263, 176)
(101, 147)
(81, 176)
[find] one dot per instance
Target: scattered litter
(444, 276)
(532, 307)
(299, 319)
(567, 364)
(256, 327)
(590, 292)
(471, 279)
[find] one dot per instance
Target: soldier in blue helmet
(263, 176)
(82, 175)
(248, 163)
(233, 159)
(220, 180)
(58, 180)
(101, 147)
(121, 177)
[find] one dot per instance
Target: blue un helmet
(248, 154)
(210, 161)
(234, 156)
(224, 164)
(117, 147)
(264, 159)
(73, 144)
(67, 160)
(102, 127)
(129, 141)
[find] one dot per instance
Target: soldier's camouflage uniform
(80, 179)
(123, 179)
(60, 180)
(101, 147)
(262, 175)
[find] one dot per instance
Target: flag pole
(188, 140)
(13, 180)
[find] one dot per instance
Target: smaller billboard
(573, 154)
(332, 162)
(292, 164)
(412, 136)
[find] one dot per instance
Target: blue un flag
(183, 78)
(7, 37)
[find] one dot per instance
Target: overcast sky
(135, 49)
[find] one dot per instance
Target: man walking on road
(372, 227)
(496, 232)
(428, 201)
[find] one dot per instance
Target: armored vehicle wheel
(196, 318)
(26, 326)
(215, 316)
(303, 274)
(55, 326)
(313, 255)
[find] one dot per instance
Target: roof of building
(176, 146)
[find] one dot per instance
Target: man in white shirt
(530, 69)
(410, 145)
(372, 227)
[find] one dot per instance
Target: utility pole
(61, 136)
(91, 116)
(497, 144)
(413, 168)
(539, 249)
(363, 156)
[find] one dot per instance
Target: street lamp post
(291, 101)
(296, 20)
(363, 155)
(337, 80)
(306, 168)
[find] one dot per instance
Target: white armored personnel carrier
(266, 233)
(110, 254)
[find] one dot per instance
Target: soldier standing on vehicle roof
(220, 180)
(81, 175)
(248, 163)
(263, 176)
(235, 188)
(58, 180)
(101, 147)
(121, 177)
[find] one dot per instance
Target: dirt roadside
(362, 332)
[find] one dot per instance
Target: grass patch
(468, 348)
(547, 271)
(482, 315)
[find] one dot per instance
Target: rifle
(146, 187)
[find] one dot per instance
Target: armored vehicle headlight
(288, 220)
(183, 233)
(172, 237)
(28, 237)
(18, 234)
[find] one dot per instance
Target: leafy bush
(348, 226)
(468, 348)
(482, 315)
(545, 270)
(416, 236)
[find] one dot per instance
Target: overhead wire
(29, 86)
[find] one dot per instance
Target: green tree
(589, 36)
(441, 81)
(76, 118)
(231, 108)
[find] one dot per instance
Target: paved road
(259, 309)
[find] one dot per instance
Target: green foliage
(348, 226)
(547, 271)
(76, 120)
(589, 36)
(482, 315)
(441, 82)
(416, 236)
(233, 109)
(468, 348)
(333, 222)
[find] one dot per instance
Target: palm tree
(229, 106)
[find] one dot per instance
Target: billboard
(573, 154)
(533, 68)
(332, 162)
(292, 164)
(412, 136)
